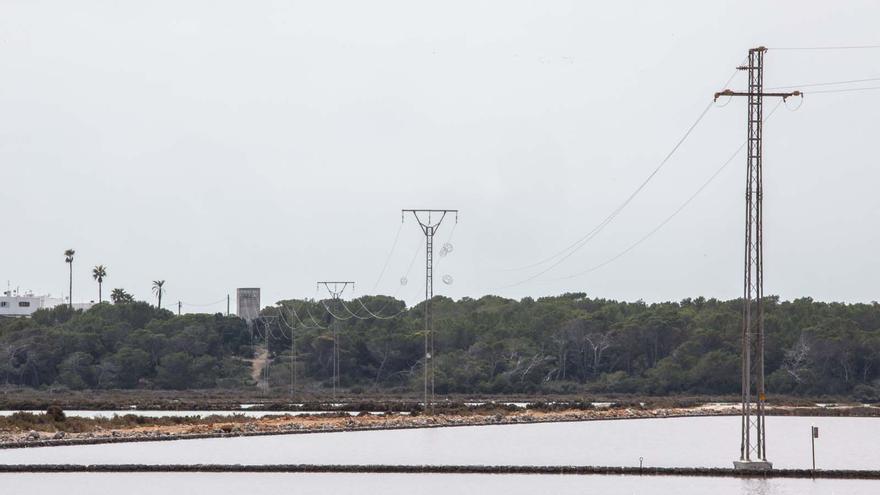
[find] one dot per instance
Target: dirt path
(258, 364)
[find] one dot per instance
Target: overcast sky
(272, 144)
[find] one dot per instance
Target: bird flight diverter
(446, 249)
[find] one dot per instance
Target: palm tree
(119, 296)
(98, 273)
(68, 258)
(158, 289)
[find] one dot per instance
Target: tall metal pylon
(753, 441)
(429, 228)
(335, 289)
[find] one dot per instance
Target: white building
(17, 304)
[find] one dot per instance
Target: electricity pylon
(335, 293)
(753, 431)
(429, 228)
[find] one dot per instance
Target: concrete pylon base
(752, 465)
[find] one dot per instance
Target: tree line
(575, 344)
(130, 344)
(562, 345)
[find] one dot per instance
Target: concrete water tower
(248, 303)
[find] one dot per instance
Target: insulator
(447, 279)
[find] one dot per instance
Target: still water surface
(200, 414)
(844, 443)
(414, 484)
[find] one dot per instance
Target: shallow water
(201, 414)
(844, 443)
(414, 484)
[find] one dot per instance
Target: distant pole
(335, 293)
(292, 362)
(227, 304)
(814, 434)
(179, 306)
(429, 228)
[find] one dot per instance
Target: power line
(318, 325)
(670, 217)
(399, 287)
(829, 83)
(336, 317)
(292, 352)
(850, 47)
(203, 305)
(383, 307)
(577, 245)
(314, 322)
(583, 240)
(844, 90)
(352, 313)
(388, 258)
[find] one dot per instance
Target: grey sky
(273, 144)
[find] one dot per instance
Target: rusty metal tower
(429, 227)
(753, 444)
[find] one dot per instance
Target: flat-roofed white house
(14, 304)
(18, 305)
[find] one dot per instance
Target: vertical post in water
(814, 434)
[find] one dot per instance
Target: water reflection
(409, 484)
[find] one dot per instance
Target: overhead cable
(828, 83)
(674, 213)
(575, 247)
(388, 258)
(849, 47)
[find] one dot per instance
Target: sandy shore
(287, 424)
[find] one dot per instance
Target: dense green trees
(124, 345)
(563, 344)
(572, 343)
(120, 296)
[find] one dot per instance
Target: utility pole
(753, 432)
(227, 304)
(335, 289)
(292, 361)
(429, 228)
(179, 306)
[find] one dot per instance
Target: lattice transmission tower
(753, 442)
(335, 288)
(429, 224)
